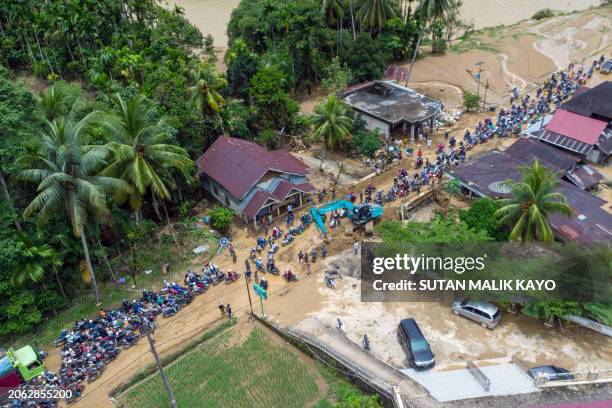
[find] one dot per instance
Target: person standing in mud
(232, 252)
(222, 307)
(247, 266)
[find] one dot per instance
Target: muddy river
(211, 16)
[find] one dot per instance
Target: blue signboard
(261, 292)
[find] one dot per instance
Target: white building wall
(373, 123)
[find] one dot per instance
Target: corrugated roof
(594, 102)
(258, 201)
(577, 127)
(605, 141)
(239, 164)
(584, 177)
(304, 187)
(564, 141)
(526, 151)
(281, 191)
(591, 223)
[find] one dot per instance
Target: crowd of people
(92, 343)
(529, 109)
(525, 109)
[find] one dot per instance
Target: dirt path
(288, 304)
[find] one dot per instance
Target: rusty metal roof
(239, 164)
(591, 222)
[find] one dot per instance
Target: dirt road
(288, 304)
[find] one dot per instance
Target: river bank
(212, 16)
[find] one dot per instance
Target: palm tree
(35, 261)
(533, 201)
(143, 156)
(205, 91)
(57, 101)
(331, 124)
(375, 13)
(67, 173)
(431, 10)
(333, 10)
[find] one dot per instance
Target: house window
(227, 200)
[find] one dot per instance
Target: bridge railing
(477, 373)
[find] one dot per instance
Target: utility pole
(145, 327)
(479, 64)
(484, 101)
(414, 55)
(252, 317)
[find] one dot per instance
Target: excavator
(359, 214)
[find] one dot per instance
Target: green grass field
(255, 373)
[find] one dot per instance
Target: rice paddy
(219, 373)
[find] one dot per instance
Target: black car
(553, 373)
(415, 345)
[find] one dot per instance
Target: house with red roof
(254, 182)
(582, 125)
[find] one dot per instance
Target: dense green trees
(480, 217)
(269, 95)
(66, 173)
(374, 14)
(308, 35)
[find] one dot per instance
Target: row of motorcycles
(91, 344)
(211, 276)
(46, 381)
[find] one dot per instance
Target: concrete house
(394, 110)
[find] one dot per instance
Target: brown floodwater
(211, 16)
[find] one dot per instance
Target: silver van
(486, 314)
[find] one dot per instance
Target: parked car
(415, 345)
(486, 314)
(606, 67)
(553, 373)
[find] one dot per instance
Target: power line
(199, 328)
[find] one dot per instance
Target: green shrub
(471, 101)
(268, 138)
(221, 217)
(366, 142)
(544, 13)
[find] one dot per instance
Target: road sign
(261, 292)
(224, 242)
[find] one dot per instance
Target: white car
(486, 314)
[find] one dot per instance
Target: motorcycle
(276, 232)
(290, 277)
(169, 310)
(231, 277)
(287, 240)
(62, 338)
(329, 282)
